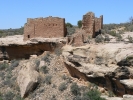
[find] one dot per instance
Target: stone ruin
(91, 27)
(49, 27)
(91, 24)
(54, 27)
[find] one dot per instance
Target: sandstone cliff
(108, 65)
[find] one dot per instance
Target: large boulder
(127, 97)
(27, 78)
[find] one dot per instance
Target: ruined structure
(91, 24)
(91, 27)
(49, 27)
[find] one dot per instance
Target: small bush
(111, 94)
(113, 33)
(62, 87)
(46, 58)
(79, 24)
(18, 97)
(119, 37)
(4, 65)
(99, 39)
(44, 69)
(14, 63)
(92, 95)
(53, 97)
(37, 62)
(70, 30)
(8, 96)
(69, 25)
(79, 98)
(64, 77)
(75, 89)
(130, 39)
(2, 75)
(58, 51)
(107, 38)
(47, 80)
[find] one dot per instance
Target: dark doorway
(28, 36)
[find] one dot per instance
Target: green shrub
(70, 30)
(99, 39)
(47, 79)
(107, 38)
(46, 58)
(92, 95)
(58, 51)
(14, 63)
(2, 75)
(130, 39)
(113, 33)
(37, 62)
(4, 65)
(69, 25)
(64, 77)
(119, 37)
(75, 89)
(44, 69)
(78, 97)
(8, 96)
(62, 86)
(18, 97)
(111, 94)
(79, 24)
(53, 97)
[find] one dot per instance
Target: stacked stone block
(91, 24)
(49, 27)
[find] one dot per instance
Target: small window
(28, 36)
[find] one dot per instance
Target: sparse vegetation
(37, 62)
(4, 65)
(47, 79)
(58, 51)
(69, 25)
(75, 89)
(99, 39)
(62, 86)
(14, 63)
(106, 38)
(44, 69)
(130, 39)
(10, 32)
(79, 24)
(92, 95)
(70, 30)
(46, 58)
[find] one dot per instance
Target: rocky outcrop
(27, 78)
(107, 65)
(13, 47)
(128, 97)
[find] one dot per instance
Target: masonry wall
(91, 24)
(88, 22)
(98, 23)
(50, 27)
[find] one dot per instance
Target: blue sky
(14, 13)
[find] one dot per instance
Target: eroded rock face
(13, 47)
(104, 64)
(127, 97)
(27, 78)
